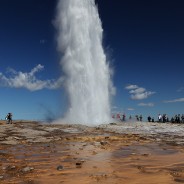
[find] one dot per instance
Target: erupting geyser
(87, 74)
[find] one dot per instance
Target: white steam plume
(87, 74)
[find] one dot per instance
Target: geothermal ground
(132, 153)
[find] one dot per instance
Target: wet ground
(42, 153)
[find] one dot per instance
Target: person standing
(140, 117)
(9, 118)
(182, 118)
(124, 116)
(149, 118)
(159, 117)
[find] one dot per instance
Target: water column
(83, 61)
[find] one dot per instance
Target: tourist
(179, 118)
(164, 118)
(182, 118)
(9, 118)
(159, 117)
(118, 116)
(140, 117)
(172, 120)
(137, 117)
(149, 118)
(124, 116)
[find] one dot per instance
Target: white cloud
(175, 100)
(28, 80)
(146, 104)
(138, 93)
(138, 90)
(141, 96)
(131, 86)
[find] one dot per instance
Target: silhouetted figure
(149, 119)
(124, 116)
(172, 120)
(9, 118)
(182, 118)
(140, 117)
(179, 118)
(137, 117)
(164, 118)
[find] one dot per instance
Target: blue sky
(144, 42)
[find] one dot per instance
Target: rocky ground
(132, 153)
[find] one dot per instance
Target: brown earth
(34, 153)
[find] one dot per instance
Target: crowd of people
(164, 118)
(178, 118)
(122, 117)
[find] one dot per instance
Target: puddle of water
(145, 150)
